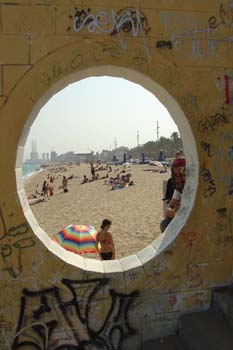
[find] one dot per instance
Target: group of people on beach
(97, 177)
(47, 190)
(175, 185)
(48, 187)
(117, 179)
(116, 182)
(94, 175)
(174, 189)
(120, 181)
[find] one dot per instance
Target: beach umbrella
(78, 239)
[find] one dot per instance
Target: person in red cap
(178, 177)
(178, 173)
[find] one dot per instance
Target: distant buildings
(118, 154)
(105, 156)
(34, 155)
(71, 157)
(53, 156)
(120, 151)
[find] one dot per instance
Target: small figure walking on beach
(51, 179)
(45, 189)
(50, 188)
(104, 242)
(65, 184)
(92, 171)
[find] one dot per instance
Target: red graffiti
(189, 238)
(227, 89)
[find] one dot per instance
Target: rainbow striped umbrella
(78, 239)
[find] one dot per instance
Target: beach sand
(135, 211)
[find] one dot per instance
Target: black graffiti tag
(207, 178)
(226, 18)
(127, 20)
(47, 322)
(206, 148)
(57, 70)
(211, 123)
(162, 44)
(104, 48)
(12, 242)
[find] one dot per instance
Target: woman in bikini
(104, 242)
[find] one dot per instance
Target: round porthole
(155, 247)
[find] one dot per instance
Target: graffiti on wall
(190, 101)
(57, 70)
(207, 148)
(221, 223)
(210, 187)
(159, 267)
(198, 36)
(225, 18)
(226, 239)
(213, 122)
(225, 84)
(49, 322)
(13, 241)
(224, 161)
(128, 20)
(189, 238)
(228, 93)
(224, 227)
(105, 47)
(163, 44)
(204, 42)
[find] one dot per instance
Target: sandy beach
(135, 211)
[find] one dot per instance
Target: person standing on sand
(92, 171)
(45, 189)
(104, 242)
(50, 189)
(179, 166)
(65, 184)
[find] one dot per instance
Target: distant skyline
(91, 114)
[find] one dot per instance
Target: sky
(92, 114)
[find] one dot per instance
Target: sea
(29, 169)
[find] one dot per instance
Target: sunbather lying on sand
(33, 199)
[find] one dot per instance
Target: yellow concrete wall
(185, 46)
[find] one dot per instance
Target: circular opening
(188, 197)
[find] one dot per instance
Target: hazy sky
(90, 114)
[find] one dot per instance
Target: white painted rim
(164, 240)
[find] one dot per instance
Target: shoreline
(29, 175)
